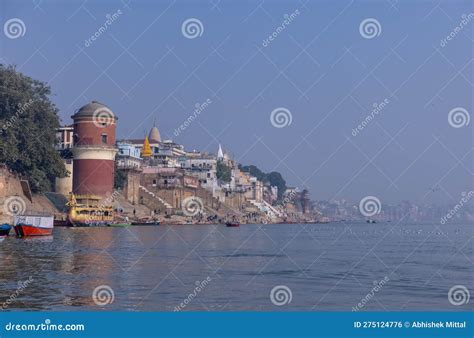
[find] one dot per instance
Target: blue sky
(320, 68)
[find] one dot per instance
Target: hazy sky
(326, 66)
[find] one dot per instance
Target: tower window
(104, 138)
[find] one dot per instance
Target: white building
(128, 156)
(202, 166)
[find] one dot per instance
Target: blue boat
(5, 229)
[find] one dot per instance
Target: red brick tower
(94, 150)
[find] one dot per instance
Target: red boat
(32, 225)
(232, 224)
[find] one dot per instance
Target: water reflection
(327, 267)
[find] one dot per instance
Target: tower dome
(92, 108)
(154, 135)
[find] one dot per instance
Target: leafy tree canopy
(274, 178)
(28, 122)
(223, 172)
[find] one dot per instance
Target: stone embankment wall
(12, 194)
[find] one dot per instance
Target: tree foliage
(274, 178)
(28, 123)
(223, 172)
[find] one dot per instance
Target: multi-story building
(65, 137)
(128, 156)
(203, 166)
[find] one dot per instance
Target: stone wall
(131, 187)
(12, 197)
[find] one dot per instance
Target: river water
(311, 267)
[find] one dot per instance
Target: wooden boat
(33, 225)
(146, 222)
(232, 224)
(89, 210)
(2, 238)
(5, 229)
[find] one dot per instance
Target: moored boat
(146, 222)
(5, 229)
(33, 225)
(89, 210)
(232, 224)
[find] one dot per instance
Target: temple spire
(220, 153)
(146, 150)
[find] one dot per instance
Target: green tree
(28, 122)
(223, 172)
(254, 171)
(274, 178)
(277, 180)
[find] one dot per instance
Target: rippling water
(212, 267)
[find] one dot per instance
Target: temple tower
(94, 150)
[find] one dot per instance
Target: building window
(104, 138)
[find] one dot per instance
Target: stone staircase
(273, 209)
(153, 201)
(121, 203)
(266, 208)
